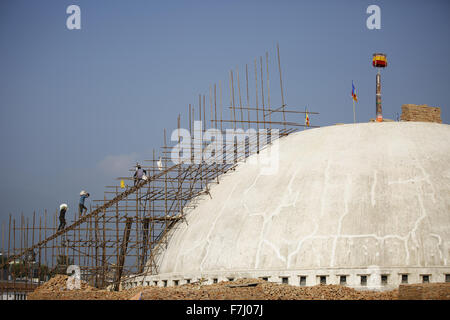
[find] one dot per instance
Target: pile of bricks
(424, 291)
(422, 113)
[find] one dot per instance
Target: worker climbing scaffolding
(139, 174)
(62, 216)
(81, 206)
(62, 221)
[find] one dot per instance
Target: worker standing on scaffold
(62, 216)
(81, 207)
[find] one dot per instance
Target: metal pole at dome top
(379, 61)
(378, 98)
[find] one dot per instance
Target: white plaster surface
(366, 198)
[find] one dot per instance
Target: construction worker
(62, 216)
(139, 174)
(81, 207)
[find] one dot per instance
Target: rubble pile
(243, 289)
(424, 291)
(59, 283)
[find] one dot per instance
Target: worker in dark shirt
(81, 206)
(62, 216)
(139, 174)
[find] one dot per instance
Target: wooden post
(123, 252)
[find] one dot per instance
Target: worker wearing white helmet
(81, 206)
(62, 216)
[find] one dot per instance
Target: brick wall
(423, 113)
(424, 291)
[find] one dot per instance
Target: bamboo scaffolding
(122, 235)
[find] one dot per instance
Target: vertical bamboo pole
(40, 252)
(200, 106)
(104, 245)
(45, 236)
(232, 111)
(268, 89)
(32, 244)
(9, 235)
(211, 106)
(117, 236)
(190, 127)
(137, 221)
(248, 96)
(14, 250)
(257, 110)
(215, 107)
(221, 109)
(262, 91)
(240, 100)
(96, 250)
(3, 251)
(281, 86)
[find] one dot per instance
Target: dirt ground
(244, 289)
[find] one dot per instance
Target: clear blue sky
(78, 107)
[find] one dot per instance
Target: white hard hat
(82, 193)
(63, 206)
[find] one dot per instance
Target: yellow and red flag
(307, 119)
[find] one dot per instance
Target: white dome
(358, 199)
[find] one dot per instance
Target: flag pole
(354, 116)
(353, 99)
(304, 127)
